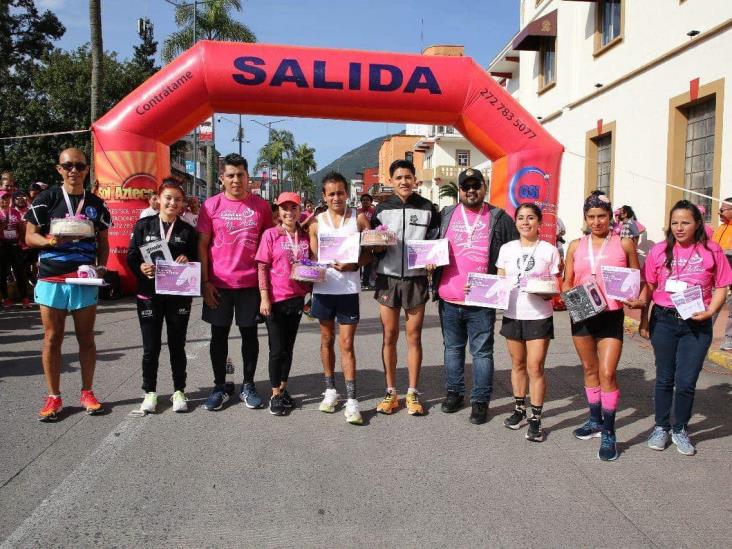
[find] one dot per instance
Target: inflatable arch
(131, 142)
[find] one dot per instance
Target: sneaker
(726, 345)
(608, 447)
(452, 403)
(479, 413)
(589, 430)
(413, 405)
(535, 433)
(389, 404)
(216, 399)
(149, 403)
(90, 403)
(51, 409)
(249, 396)
(515, 420)
(683, 443)
(276, 406)
(658, 438)
(352, 413)
(287, 401)
(180, 402)
(26, 303)
(330, 401)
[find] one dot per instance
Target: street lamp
(268, 125)
(239, 134)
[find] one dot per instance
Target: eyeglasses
(475, 186)
(68, 166)
(722, 210)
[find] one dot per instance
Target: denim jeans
(464, 325)
(680, 347)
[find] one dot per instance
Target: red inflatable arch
(131, 142)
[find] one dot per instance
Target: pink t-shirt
(277, 251)
(235, 227)
(465, 257)
(695, 265)
(612, 255)
(10, 222)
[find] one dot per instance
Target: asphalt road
(242, 477)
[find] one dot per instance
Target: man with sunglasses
(723, 237)
(60, 258)
(476, 230)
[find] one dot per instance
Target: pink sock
(593, 395)
(610, 400)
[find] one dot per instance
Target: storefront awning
(534, 33)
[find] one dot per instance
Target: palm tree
(277, 153)
(213, 22)
(97, 73)
(300, 165)
(449, 190)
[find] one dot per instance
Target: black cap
(20, 193)
(470, 173)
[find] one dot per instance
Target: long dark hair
(700, 236)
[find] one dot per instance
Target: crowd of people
(247, 250)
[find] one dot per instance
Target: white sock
(55, 396)
(391, 390)
(411, 390)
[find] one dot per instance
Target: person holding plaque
(476, 231)
(599, 339)
(333, 235)
(282, 298)
(398, 287)
(531, 266)
(686, 261)
(154, 309)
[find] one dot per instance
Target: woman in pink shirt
(686, 263)
(599, 339)
(282, 298)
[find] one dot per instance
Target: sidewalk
(720, 358)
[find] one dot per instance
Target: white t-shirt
(545, 261)
(337, 282)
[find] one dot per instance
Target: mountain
(365, 156)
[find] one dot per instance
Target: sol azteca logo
(534, 188)
(140, 181)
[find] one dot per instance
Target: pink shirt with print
(235, 227)
(465, 257)
(278, 251)
(696, 265)
(10, 222)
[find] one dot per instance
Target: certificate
(621, 283)
(488, 291)
(688, 302)
(421, 253)
(154, 251)
(178, 278)
(337, 248)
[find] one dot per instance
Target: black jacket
(501, 229)
(415, 219)
(183, 240)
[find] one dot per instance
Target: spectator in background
(11, 255)
(367, 208)
(626, 224)
(192, 209)
(723, 237)
(35, 189)
(153, 205)
(7, 182)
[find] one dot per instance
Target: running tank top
(336, 282)
(613, 256)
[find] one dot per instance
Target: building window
(600, 159)
(604, 146)
(463, 158)
(699, 156)
(547, 69)
(409, 156)
(449, 129)
(609, 24)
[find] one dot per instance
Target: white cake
(378, 237)
(72, 226)
(541, 286)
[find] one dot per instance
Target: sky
(405, 26)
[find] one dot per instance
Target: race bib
(10, 234)
(673, 286)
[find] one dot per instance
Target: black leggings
(175, 311)
(219, 350)
(282, 327)
(12, 257)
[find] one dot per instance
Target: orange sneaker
(414, 406)
(90, 403)
(389, 404)
(51, 409)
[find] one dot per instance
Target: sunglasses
(68, 166)
(475, 186)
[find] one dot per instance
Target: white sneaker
(352, 413)
(180, 402)
(149, 403)
(726, 345)
(329, 402)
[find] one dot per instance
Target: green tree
(300, 165)
(276, 154)
(144, 56)
(213, 22)
(449, 190)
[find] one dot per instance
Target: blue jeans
(680, 347)
(462, 325)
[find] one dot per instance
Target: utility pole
(268, 125)
(240, 135)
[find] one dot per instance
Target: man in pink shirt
(476, 231)
(230, 226)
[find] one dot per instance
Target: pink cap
(288, 197)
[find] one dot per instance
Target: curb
(720, 358)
